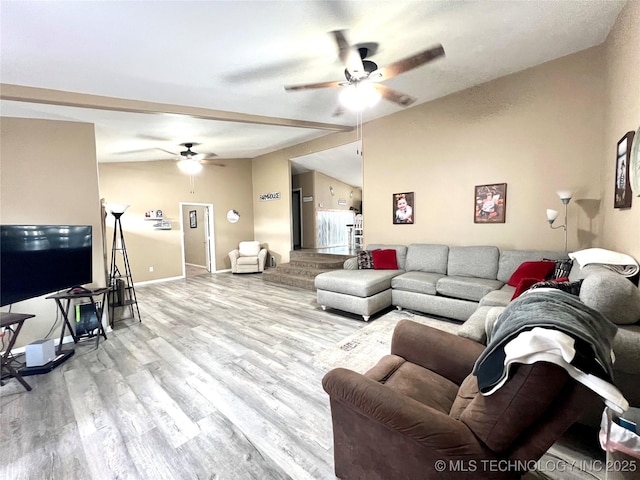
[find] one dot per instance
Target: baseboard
(195, 265)
(158, 280)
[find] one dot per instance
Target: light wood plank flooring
(215, 383)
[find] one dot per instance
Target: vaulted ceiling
(213, 72)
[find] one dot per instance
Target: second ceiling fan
(359, 71)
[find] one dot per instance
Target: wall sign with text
(264, 197)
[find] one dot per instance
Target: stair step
(301, 271)
(303, 268)
(317, 263)
(298, 254)
(291, 280)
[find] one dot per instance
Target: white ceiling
(236, 56)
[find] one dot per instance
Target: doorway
(296, 218)
(197, 237)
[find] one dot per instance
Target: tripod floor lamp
(565, 197)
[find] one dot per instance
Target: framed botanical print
(622, 196)
(490, 203)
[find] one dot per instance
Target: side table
(85, 293)
(7, 319)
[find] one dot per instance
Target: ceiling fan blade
(290, 88)
(338, 111)
(349, 56)
(411, 62)
(394, 96)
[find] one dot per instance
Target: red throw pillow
(384, 259)
(539, 270)
(523, 286)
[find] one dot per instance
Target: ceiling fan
(188, 154)
(361, 72)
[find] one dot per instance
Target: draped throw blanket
(620, 263)
(554, 310)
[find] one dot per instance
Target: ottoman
(362, 292)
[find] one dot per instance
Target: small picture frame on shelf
(490, 203)
(193, 219)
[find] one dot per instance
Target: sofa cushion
(562, 269)
(247, 260)
(480, 262)
(523, 285)
(384, 259)
(510, 260)
(561, 284)
(401, 252)
(466, 288)
(419, 282)
(498, 298)
(365, 260)
(427, 258)
(249, 249)
(539, 270)
(359, 283)
(423, 385)
(612, 295)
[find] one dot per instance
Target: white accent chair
(249, 257)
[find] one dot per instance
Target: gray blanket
(553, 309)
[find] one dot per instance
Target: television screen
(40, 259)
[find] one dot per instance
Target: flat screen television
(40, 259)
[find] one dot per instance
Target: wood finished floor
(215, 383)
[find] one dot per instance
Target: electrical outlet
(151, 269)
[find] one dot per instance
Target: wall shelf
(162, 225)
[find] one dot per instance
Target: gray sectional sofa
(434, 279)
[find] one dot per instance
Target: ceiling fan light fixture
(190, 166)
(359, 96)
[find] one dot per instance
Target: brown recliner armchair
(417, 414)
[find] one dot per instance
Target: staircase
(303, 268)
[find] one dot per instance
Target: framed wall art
(622, 197)
(193, 219)
(403, 208)
(634, 164)
(490, 203)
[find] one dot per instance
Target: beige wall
(621, 227)
(341, 191)
(160, 185)
(195, 251)
(272, 173)
(49, 176)
(539, 130)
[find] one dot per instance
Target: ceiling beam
(20, 93)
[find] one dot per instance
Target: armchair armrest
(425, 425)
(262, 259)
(233, 257)
(444, 353)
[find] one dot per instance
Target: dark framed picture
(403, 208)
(623, 193)
(193, 219)
(490, 203)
